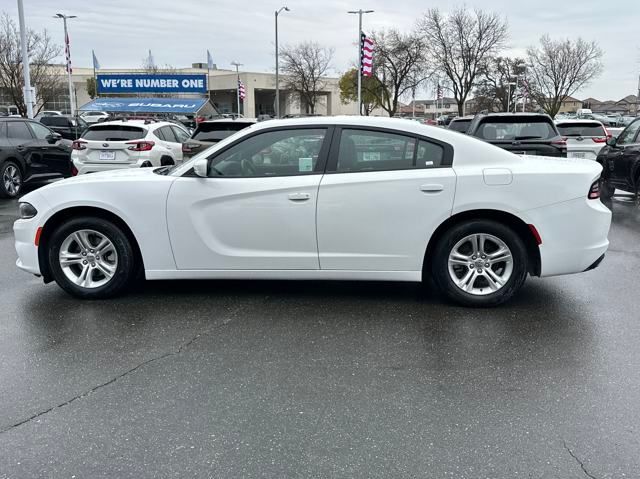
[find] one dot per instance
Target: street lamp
(509, 95)
(359, 73)
(68, 58)
(286, 9)
(28, 92)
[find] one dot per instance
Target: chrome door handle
(431, 188)
(299, 196)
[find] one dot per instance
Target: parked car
(460, 123)
(128, 144)
(30, 152)
(620, 159)
(49, 113)
(585, 138)
(210, 132)
(94, 116)
(69, 127)
(324, 198)
(520, 133)
(606, 121)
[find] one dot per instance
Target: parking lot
(308, 379)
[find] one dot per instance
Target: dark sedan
(620, 160)
(30, 152)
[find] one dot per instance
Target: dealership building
(221, 89)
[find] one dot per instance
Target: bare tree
(45, 77)
(461, 43)
(493, 90)
(304, 67)
(557, 69)
(400, 65)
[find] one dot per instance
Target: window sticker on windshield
(305, 164)
(370, 156)
(428, 163)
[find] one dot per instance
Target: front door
(54, 155)
(382, 197)
(256, 209)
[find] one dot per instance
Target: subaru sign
(146, 105)
(151, 83)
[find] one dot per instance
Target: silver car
(585, 138)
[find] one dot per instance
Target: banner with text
(151, 83)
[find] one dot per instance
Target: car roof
(140, 123)
(576, 120)
(465, 118)
(250, 121)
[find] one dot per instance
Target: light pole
(359, 72)
(509, 96)
(68, 58)
(286, 9)
(28, 101)
(236, 64)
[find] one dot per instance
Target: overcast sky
(180, 31)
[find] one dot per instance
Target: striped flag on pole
(439, 92)
(241, 90)
(96, 64)
(366, 52)
(67, 52)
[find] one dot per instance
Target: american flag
(241, 90)
(439, 92)
(67, 52)
(366, 53)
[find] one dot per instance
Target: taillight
(140, 145)
(79, 145)
(189, 147)
(594, 191)
(599, 139)
(74, 170)
(562, 142)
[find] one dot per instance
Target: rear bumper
(595, 264)
(84, 168)
(574, 235)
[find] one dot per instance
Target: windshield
(510, 129)
(460, 125)
(217, 131)
(114, 133)
(581, 129)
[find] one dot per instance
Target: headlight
(27, 211)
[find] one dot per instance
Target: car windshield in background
(581, 129)
(460, 125)
(513, 129)
(217, 131)
(114, 133)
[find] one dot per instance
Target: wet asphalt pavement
(307, 379)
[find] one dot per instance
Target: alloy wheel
(12, 180)
(480, 264)
(88, 258)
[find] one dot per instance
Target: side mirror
(200, 167)
(612, 141)
(53, 138)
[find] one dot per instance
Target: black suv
(69, 127)
(520, 133)
(620, 160)
(30, 152)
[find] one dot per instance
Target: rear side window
(516, 129)
(165, 133)
(581, 129)
(55, 120)
(217, 131)
(18, 130)
(114, 133)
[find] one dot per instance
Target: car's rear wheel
(479, 263)
(606, 190)
(10, 180)
(91, 258)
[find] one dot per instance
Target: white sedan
(336, 198)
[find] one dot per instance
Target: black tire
(440, 263)
(13, 169)
(146, 164)
(167, 161)
(126, 260)
(606, 190)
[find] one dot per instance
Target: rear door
(625, 164)
(54, 155)
(20, 135)
(383, 196)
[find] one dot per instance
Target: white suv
(94, 116)
(128, 144)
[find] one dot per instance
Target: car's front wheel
(479, 263)
(91, 258)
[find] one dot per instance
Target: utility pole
(286, 9)
(28, 101)
(236, 64)
(68, 58)
(359, 73)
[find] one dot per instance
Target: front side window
(629, 134)
(274, 153)
(375, 151)
(41, 132)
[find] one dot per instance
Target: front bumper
(25, 234)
